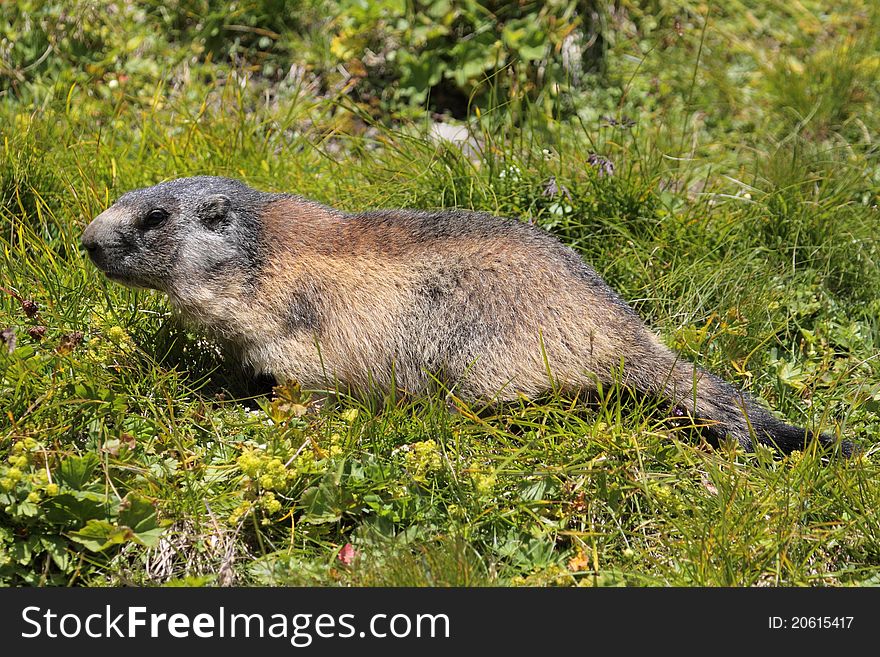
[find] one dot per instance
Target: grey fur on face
(134, 244)
(492, 308)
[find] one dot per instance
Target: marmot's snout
(92, 241)
(110, 245)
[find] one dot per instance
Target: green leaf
(76, 471)
(473, 57)
(438, 9)
(535, 491)
(419, 72)
(58, 550)
(75, 507)
(27, 509)
(98, 535)
(528, 552)
(322, 504)
(23, 550)
(526, 39)
(137, 523)
(139, 514)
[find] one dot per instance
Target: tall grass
(751, 248)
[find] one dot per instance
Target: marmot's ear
(214, 208)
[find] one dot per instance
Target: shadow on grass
(210, 370)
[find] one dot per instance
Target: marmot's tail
(731, 413)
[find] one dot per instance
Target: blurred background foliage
(394, 58)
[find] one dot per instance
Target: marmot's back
(488, 307)
(484, 302)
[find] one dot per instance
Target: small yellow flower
(117, 334)
(269, 503)
(423, 457)
(484, 483)
(238, 513)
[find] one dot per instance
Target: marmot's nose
(90, 241)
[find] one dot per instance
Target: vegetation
(716, 162)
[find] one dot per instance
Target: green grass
(740, 221)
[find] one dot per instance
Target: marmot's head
(185, 232)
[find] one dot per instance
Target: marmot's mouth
(119, 278)
(108, 270)
(102, 266)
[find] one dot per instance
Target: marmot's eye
(155, 217)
